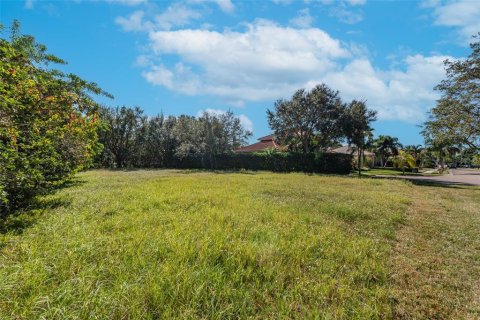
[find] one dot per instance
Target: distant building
(269, 142)
(263, 144)
(349, 150)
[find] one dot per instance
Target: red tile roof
(270, 137)
(264, 143)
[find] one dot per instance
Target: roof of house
(266, 142)
(348, 150)
(270, 137)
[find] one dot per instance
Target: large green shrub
(48, 121)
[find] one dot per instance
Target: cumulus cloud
(133, 22)
(224, 5)
(303, 19)
(346, 15)
(267, 61)
(176, 15)
(461, 14)
(396, 94)
(257, 64)
(244, 120)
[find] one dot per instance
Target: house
(269, 142)
(263, 144)
(349, 150)
(368, 158)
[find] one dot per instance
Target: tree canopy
(132, 139)
(456, 117)
(356, 124)
(310, 120)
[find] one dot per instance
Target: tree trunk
(359, 162)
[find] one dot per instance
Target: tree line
(132, 139)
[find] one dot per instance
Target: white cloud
(461, 14)
(303, 19)
(244, 120)
(396, 94)
(128, 2)
(356, 2)
(266, 61)
(134, 22)
(28, 4)
(284, 2)
(346, 15)
(176, 15)
(224, 5)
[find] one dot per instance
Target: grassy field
(393, 172)
(173, 244)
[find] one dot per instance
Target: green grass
(391, 172)
(179, 244)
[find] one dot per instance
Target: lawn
(393, 172)
(185, 244)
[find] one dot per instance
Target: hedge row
(277, 162)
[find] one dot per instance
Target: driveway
(462, 176)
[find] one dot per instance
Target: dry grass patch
(437, 257)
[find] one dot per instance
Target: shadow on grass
(229, 171)
(21, 219)
(428, 182)
(443, 184)
(67, 184)
(26, 216)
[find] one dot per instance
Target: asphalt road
(470, 177)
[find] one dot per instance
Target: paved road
(455, 177)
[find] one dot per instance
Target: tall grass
(176, 244)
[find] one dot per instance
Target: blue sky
(183, 57)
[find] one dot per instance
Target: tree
(48, 121)
(309, 121)
(455, 120)
(387, 147)
(121, 135)
(415, 151)
(132, 139)
(476, 160)
(404, 160)
(236, 135)
(218, 134)
(159, 143)
(357, 128)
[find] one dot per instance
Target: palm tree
(415, 151)
(387, 147)
(404, 160)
